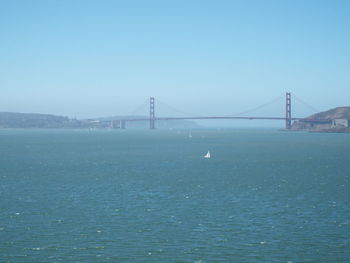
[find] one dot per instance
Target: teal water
(148, 196)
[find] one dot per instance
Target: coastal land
(334, 120)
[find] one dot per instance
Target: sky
(84, 59)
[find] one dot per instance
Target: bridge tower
(288, 111)
(151, 113)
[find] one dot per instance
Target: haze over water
(149, 196)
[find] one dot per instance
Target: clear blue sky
(101, 58)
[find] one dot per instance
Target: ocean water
(149, 196)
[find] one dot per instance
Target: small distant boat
(190, 135)
(207, 156)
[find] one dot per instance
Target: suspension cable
(177, 110)
(258, 107)
(140, 107)
(306, 104)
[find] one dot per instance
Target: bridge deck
(228, 118)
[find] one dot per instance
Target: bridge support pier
(151, 113)
(288, 111)
(114, 124)
(122, 124)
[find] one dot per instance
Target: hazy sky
(102, 58)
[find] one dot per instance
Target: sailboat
(190, 135)
(207, 156)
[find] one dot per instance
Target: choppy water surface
(148, 196)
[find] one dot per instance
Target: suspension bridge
(152, 118)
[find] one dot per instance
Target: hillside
(336, 113)
(337, 121)
(31, 120)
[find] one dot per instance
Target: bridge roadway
(287, 118)
(227, 118)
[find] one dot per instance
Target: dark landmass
(333, 120)
(32, 120)
(35, 120)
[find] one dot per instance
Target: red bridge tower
(288, 111)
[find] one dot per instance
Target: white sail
(190, 135)
(207, 155)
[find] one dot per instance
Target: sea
(150, 196)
